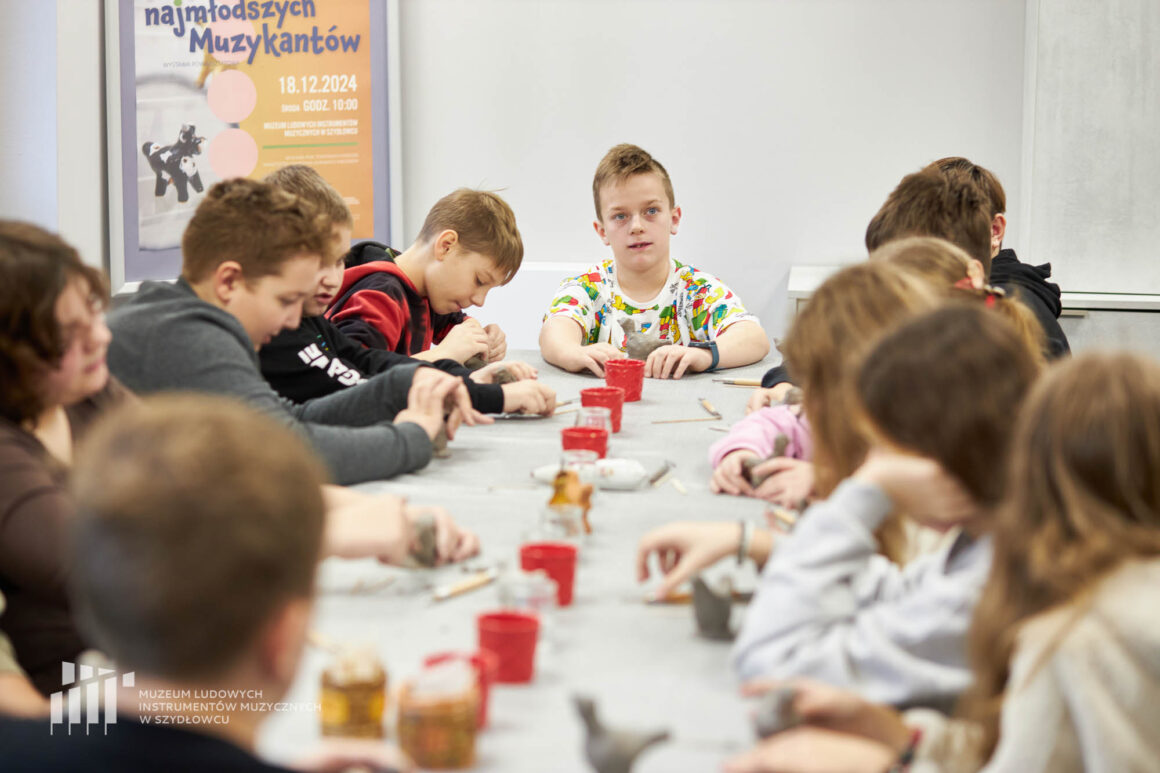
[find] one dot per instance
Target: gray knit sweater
(830, 608)
(166, 338)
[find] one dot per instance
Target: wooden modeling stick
(708, 406)
(683, 421)
(476, 581)
(745, 382)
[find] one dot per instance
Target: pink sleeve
(758, 431)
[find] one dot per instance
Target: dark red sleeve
(378, 311)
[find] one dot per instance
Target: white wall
(28, 118)
(783, 124)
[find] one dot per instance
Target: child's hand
(814, 750)
(683, 550)
(496, 343)
(762, 397)
(520, 370)
(452, 542)
(591, 357)
(426, 403)
(529, 397)
(675, 359)
(790, 481)
(727, 478)
(463, 341)
(821, 704)
(920, 487)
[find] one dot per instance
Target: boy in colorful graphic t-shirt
(703, 324)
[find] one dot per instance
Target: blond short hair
(624, 161)
(484, 223)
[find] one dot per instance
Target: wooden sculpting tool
(682, 421)
(748, 382)
(719, 429)
(486, 577)
(708, 406)
(659, 476)
(680, 487)
(569, 409)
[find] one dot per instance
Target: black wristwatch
(712, 347)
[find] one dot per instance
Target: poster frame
(388, 206)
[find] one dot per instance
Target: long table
(644, 664)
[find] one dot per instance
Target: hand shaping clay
(776, 712)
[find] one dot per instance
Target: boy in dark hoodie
(1026, 282)
(412, 302)
(317, 358)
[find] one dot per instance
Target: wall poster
(205, 90)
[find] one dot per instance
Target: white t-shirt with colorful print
(691, 306)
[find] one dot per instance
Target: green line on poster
(313, 145)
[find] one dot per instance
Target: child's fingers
(776, 465)
(681, 572)
(683, 364)
(468, 545)
(594, 365)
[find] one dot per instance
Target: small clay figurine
(612, 751)
(776, 712)
(423, 551)
(439, 444)
(793, 398)
(780, 443)
(712, 610)
(503, 376)
(638, 346)
(567, 490)
(475, 362)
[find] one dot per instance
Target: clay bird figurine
(638, 346)
(612, 751)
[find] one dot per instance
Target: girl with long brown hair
(825, 343)
(1065, 645)
(931, 400)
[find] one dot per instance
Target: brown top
(35, 512)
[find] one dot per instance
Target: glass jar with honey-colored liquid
(354, 695)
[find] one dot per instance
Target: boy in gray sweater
(250, 256)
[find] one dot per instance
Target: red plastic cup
(626, 374)
(608, 397)
(558, 559)
(485, 665)
(511, 637)
(585, 438)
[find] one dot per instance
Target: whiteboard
(1092, 193)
